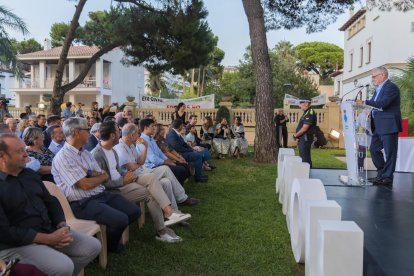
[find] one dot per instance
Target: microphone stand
(360, 92)
(347, 93)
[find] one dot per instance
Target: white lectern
(356, 126)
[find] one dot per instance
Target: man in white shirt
(80, 178)
(127, 183)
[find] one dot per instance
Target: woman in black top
(180, 113)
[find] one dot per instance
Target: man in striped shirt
(80, 178)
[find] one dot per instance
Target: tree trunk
(58, 92)
(265, 129)
(202, 81)
(192, 82)
(199, 81)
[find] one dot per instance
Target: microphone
(360, 92)
(358, 87)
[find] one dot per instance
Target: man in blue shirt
(155, 157)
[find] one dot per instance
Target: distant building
(6, 81)
(328, 90)
(231, 69)
(107, 81)
(374, 38)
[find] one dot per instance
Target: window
(361, 55)
(412, 27)
(369, 52)
(351, 61)
(338, 91)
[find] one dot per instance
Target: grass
(237, 229)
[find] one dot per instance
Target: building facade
(6, 82)
(107, 81)
(373, 38)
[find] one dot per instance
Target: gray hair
(32, 117)
(30, 134)
(73, 123)
(129, 129)
(95, 128)
(381, 69)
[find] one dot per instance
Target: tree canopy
(10, 21)
(25, 46)
(173, 37)
(321, 57)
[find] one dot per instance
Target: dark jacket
(176, 142)
(388, 120)
(92, 142)
(26, 208)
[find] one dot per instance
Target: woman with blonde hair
(23, 124)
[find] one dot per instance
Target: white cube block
(340, 246)
(288, 160)
(280, 165)
(302, 191)
(316, 210)
(293, 170)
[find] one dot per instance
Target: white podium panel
(317, 210)
(280, 165)
(340, 247)
(296, 170)
(302, 191)
(290, 163)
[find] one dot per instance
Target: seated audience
(124, 182)
(190, 138)
(41, 122)
(58, 139)
(52, 120)
(12, 124)
(238, 144)
(179, 160)
(130, 159)
(198, 141)
(221, 142)
(92, 121)
(32, 120)
(207, 129)
(176, 142)
(94, 137)
(21, 126)
(81, 180)
(155, 157)
(33, 138)
(33, 226)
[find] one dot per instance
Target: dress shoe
(374, 179)
(211, 166)
(190, 201)
(384, 181)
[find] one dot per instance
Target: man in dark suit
(386, 123)
(176, 142)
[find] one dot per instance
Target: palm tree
(406, 84)
(10, 21)
(155, 83)
(285, 49)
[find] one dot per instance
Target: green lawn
(238, 228)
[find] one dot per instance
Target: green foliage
(321, 57)
(10, 21)
(241, 84)
(25, 46)
(406, 84)
(58, 33)
(222, 112)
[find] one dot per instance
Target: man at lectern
(305, 130)
(385, 123)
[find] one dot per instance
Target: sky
(226, 19)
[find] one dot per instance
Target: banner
(155, 102)
(293, 100)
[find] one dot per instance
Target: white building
(6, 82)
(374, 38)
(107, 81)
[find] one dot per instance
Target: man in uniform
(305, 130)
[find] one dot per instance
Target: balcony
(89, 82)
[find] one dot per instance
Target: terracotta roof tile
(74, 51)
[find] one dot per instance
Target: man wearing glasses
(386, 123)
(81, 179)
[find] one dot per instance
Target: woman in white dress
(221, 141)
(238, 144)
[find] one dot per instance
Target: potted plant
(130, 98)
(47, 97)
